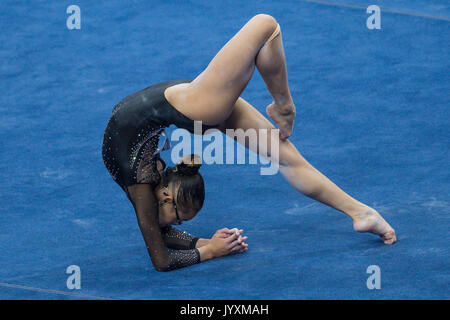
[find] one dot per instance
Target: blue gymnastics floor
(373, 115)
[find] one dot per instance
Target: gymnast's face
(170, 213)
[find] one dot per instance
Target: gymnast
(163, 197)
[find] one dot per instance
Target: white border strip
(402, 12)
(80, 295)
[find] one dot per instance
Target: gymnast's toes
(389, 237)
(283, 116)
(369, 220)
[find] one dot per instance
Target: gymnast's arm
(163, 259)
(181, 240)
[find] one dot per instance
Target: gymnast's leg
(211, 96)
(305, 178)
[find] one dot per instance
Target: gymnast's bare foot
(369, 220)
(283, 115)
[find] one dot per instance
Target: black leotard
(132, 134)
(130, 151)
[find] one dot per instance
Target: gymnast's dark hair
(191, 190)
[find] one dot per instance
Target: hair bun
(189, 164)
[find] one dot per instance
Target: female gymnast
(163, 197)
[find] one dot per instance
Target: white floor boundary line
(402, 12)
(74, 294)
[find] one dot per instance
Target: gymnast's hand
(226, 241)
(241, 239)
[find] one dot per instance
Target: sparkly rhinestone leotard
(130, 152)
(133, 131)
